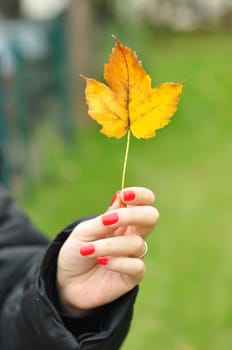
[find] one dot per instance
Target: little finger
(134, 268)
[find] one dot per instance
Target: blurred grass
(185, 300)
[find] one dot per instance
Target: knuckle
(140, 268)
(138, 243)
(151, 196)
(108, 246)
(154, 215)
(148, 195)
(79, 227)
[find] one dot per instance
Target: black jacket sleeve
(29, 313)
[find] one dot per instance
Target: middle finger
(141, 219)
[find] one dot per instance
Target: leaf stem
(125, 159)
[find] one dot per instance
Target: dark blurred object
(104, 10)
(10, 8)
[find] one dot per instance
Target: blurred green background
(185, 300)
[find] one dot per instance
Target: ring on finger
(145, 250)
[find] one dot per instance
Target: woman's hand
(101, 259)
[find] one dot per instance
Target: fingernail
(128, 196)
(113, 200)
(109, 219)
(87, 249)
(102, 260)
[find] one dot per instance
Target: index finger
(133, 196)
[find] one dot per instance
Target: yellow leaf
(129, 102)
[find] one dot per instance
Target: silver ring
(145, 250)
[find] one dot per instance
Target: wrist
(66, 308)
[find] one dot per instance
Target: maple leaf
(128, 103)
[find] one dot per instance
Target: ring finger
(129, 246)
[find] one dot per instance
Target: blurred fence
(34, 85)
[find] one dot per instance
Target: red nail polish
(113, 200)
(128, 196)
(87, 249)
(102, 260)
(109, 219)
